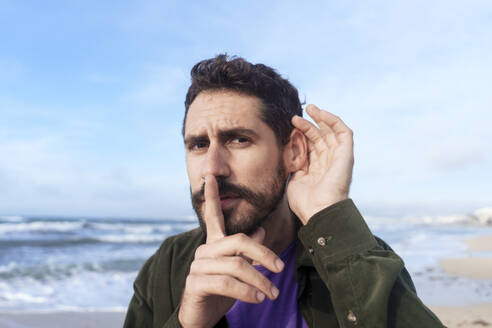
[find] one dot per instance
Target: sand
(453, 317)
(62, 320)
(483, 243)
(472, 267)
(466, 316)
(479, 315)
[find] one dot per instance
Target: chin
(246, 222)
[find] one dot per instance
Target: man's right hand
(221, 272)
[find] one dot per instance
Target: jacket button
(351, 317)
(321, 241)
(310, 250)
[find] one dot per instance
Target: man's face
(225, 137)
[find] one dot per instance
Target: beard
(261, 203)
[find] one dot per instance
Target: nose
(215, 162)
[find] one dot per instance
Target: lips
(228, 200)
(222, 197)
(227, 196)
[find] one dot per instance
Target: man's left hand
(325, 178)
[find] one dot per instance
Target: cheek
(257, 169)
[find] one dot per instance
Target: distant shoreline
(453, 317)
(60, 319)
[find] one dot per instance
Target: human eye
(197, 145)
(239, 140)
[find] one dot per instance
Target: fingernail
(275, 292)
(279, 264)
(260, 296)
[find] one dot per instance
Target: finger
(342, 131)
(237, 267)
(258, 236)
(309, 129)
(315, 113)
(326, 131)
(241, 245)
(205, 285)
(316, 140)
(213, 216)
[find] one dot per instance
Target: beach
(479, 268)
(453, 317)
(84, 319)
(78, 272)
(472, 316)
(472, 267)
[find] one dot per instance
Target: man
(280, 244)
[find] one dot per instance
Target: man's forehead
(220, 110)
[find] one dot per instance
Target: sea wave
(86, 290)
(9, 267)
(139, 228)
(129, 228)
(13, 218)
(64, 270)
(483, 215)
(130, 238)
(76, 263)
(78, 241)
(39, 226)
(22, 297)
(480, 217)
(78, 226)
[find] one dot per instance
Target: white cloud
(40, 176)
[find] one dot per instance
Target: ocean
(57, 263)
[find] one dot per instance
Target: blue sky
(91, 97)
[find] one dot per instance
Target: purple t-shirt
(282, 312)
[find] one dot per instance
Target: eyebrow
(223, 134)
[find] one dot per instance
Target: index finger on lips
(242, 245)
(213, 216)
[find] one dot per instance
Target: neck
(280, 228)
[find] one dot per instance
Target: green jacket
(347, 278)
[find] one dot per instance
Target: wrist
(311, 210)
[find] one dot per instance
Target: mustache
(225, 187)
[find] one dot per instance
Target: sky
(92, 93)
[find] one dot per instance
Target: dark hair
(279, 97)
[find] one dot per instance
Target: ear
(295, 153)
